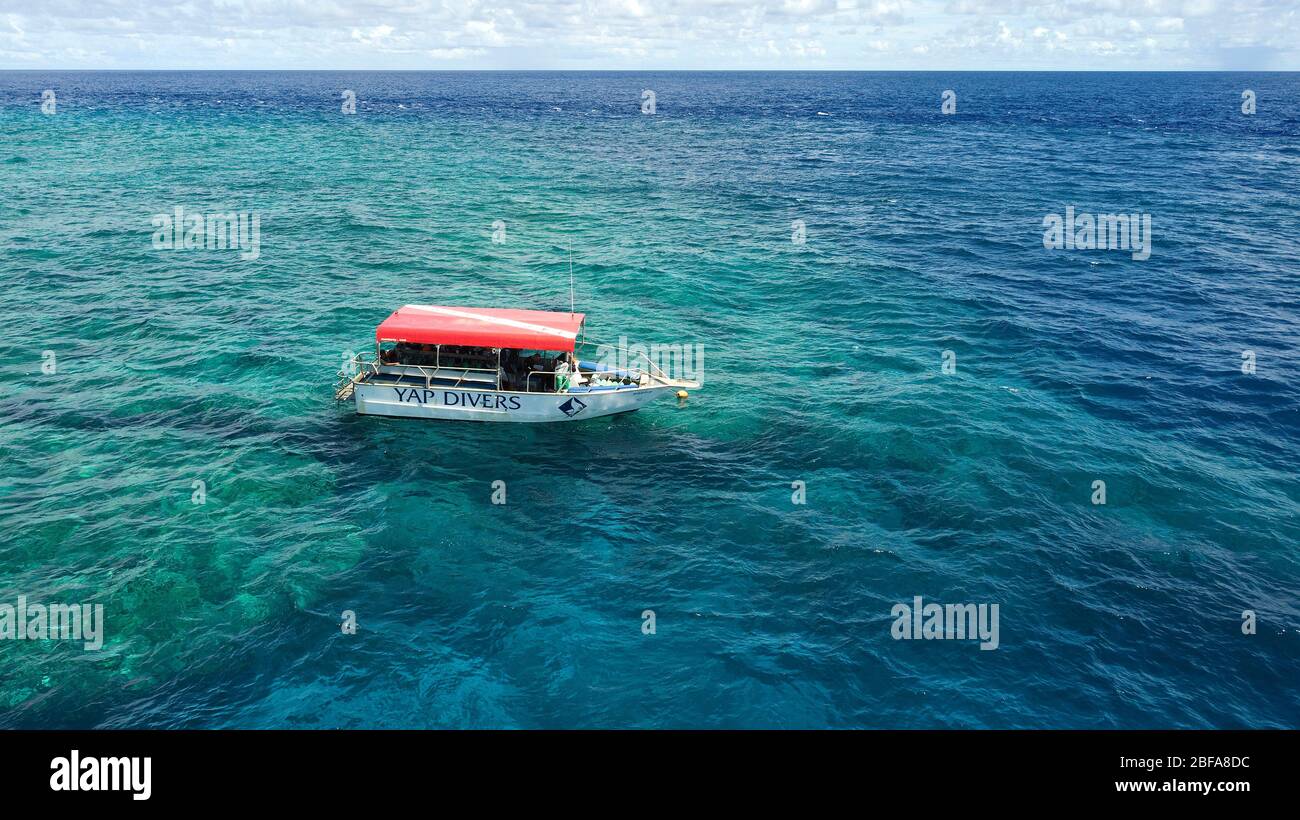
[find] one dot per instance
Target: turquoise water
(823, 364)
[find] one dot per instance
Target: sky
(652, 34)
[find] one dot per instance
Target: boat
(497, 364)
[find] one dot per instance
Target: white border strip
(495, 320)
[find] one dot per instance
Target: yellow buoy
(681, 394)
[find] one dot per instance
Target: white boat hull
(492, 405)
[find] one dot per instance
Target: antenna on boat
(571, 276)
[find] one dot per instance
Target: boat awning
(482, 327)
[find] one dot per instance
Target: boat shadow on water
(562, 449)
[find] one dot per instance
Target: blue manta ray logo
(573, 407)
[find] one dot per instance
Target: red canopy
(481, 327)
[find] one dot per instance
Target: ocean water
(823, 364)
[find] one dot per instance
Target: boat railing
(460, 374)
(528, 380)
(528, 383)
(367, 366)
(653, 369)
(352, 373)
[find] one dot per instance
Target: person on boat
(533, 364)
(576, 380)
(505, 369)
(561, 370)
(520, 371)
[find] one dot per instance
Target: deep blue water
(823, 364)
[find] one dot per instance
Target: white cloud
(484, 31)
(454, 53)
(374, 37)
(905, 34)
